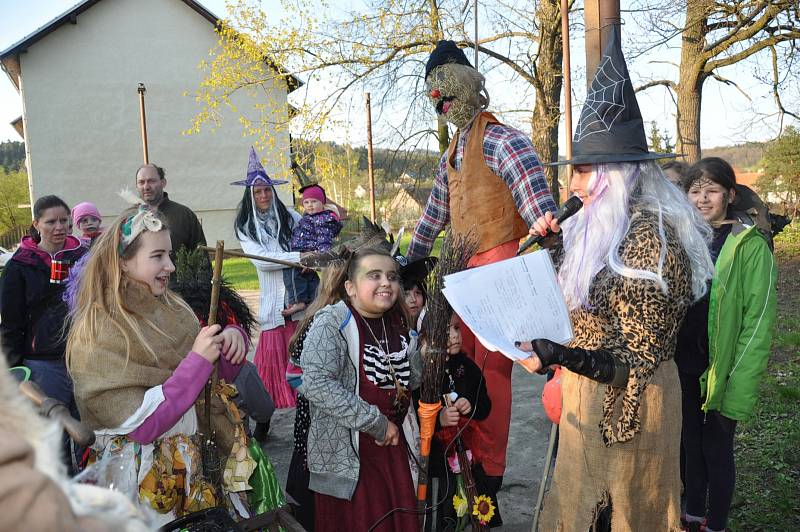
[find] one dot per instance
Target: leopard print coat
(634, 319)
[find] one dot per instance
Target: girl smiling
(359, 363)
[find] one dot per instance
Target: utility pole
(370, 163)
(143, 122)
(567, 76)
(599, 15)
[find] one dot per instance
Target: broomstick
(466, 470)
(455, 254)
(210, 454)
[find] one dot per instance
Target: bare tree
(382, 49)
(714, 35)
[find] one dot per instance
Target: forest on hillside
(744, 157)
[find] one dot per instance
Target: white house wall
(82, 112)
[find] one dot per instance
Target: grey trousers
(253, 399)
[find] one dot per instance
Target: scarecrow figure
(490, 183)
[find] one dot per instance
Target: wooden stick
(230, 253)
(143, 121)
(219, 251)
(548, 459)
(209, 446)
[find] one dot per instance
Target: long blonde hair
(331, 289)
(102, 291)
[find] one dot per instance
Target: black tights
(707, 440)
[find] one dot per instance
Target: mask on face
(455, 92)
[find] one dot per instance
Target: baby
(87, 219)
(314, 232)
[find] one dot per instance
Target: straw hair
(454, 257)
(101, 293)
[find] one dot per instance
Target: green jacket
(741, 318)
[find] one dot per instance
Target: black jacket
(184, 227)
(32, 312)
(468, 382)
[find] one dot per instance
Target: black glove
(598, 364)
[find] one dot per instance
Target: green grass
(240, 273)
(768, 444)
(437, 245)
(767, 458)
(787, 243)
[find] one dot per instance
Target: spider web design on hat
(605, 101)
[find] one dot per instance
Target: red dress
(384, 481)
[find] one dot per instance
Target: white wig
(592, 237)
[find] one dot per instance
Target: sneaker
(693, 526)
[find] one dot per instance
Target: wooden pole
(567, 76)
(599, 16)
(370, 163)
(230, 253)
(211, 463)
(143, 120)
(212, 319)
(548, 460)
(219, 251)
(475, 13)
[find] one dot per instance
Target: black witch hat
(610, 129)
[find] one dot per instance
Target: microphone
(570, 207)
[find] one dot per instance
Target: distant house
(748, 178)
(405, 208)
(77, 77)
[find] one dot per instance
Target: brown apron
(639, 478)
(480, 201)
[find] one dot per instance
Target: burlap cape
(110, 381)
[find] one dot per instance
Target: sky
(726, 117)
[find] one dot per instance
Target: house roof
(71, 17)
(418, 194)
(19, 126)
(747, 178)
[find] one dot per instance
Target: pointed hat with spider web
(610, 129)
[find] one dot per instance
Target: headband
(144, 219)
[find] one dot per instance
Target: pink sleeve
(228, 371)
(180, 392)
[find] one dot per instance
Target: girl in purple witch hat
(264, 227)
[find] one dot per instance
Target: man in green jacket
(723, 347)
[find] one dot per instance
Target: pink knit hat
(314, 192)
(82, 210)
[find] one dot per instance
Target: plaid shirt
(509, 154)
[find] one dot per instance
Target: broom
(212, 467)
(456, 252)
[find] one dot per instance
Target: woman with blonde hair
(139, 361)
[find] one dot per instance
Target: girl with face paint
(360, 363)
(723, 346)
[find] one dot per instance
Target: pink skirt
(272, 356)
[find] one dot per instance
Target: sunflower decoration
(460, 505)
(483, 508)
